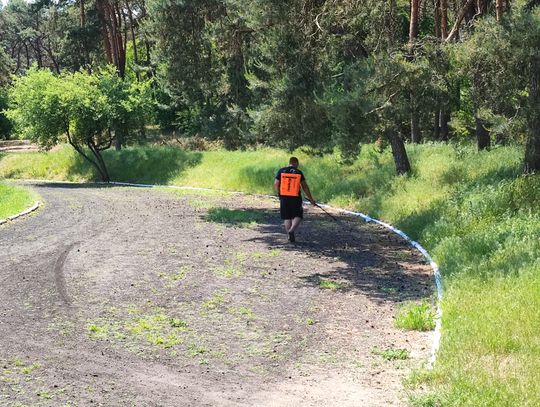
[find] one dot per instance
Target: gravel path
(135, 297)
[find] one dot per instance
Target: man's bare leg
(295, 223)
(288, 225)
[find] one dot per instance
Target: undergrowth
(474, 212)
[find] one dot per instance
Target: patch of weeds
(133, 310)
(426, 400)
(217, 299)
(173, 277)
(241, 257)
(281, 338)
(227, 271)
(237, 217)
(195, 350)
(358, 365)
(388, 290)
(157, 329)
(311, 321)
(97, 331)
(330, 285)
(329, 358)
(44, 395)
(177, 323)
(181, 274)
(244, 311)
(392, 353)
(18, 362)
(416, 316)
(271, 253)
(29, 369)
(418, 378)
(134, 328)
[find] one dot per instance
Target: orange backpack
(290, 184)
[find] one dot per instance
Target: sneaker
(291, 237)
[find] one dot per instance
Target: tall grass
(475, 213)
(14, 200)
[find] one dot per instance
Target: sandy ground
(13, 146)
(134, 297)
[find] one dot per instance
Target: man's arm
(308, 192)
(277, 184)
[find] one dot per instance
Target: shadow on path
(360, 258)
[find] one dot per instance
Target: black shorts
(291, 207)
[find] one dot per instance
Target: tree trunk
(27, 56)
(444, 19)
(102, 170)
(436, 125)
(399, 152)
(481, 8)
(82, 18)
(416, 136)
(532, 150)
(483, 140)
(111, 18)
(413, 27)
(437, 18)
(392, 22)
(100, 162)
(444, 118)
(134, 41)
(499, 9)
(413, 33)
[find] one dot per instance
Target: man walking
(287, 184)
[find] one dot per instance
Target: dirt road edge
(26, 212)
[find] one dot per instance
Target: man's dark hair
(293, 161)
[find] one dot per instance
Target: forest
(321, 75)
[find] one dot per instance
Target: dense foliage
(87, 111)
(313, 73)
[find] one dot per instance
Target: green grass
(137, 329)
(474, 212)
(329, 285)
(392, 353)
(416, 316)
(15, 199)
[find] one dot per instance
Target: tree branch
(459, 20)
(384, 105)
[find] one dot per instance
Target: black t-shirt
(290, 170)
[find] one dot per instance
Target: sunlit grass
(15, 199)
(416, 316)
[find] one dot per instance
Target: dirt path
(14, 146)
(137, 297)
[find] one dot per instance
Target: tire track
(59, 277)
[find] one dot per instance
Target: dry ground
(17, 146)
(135, 297)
